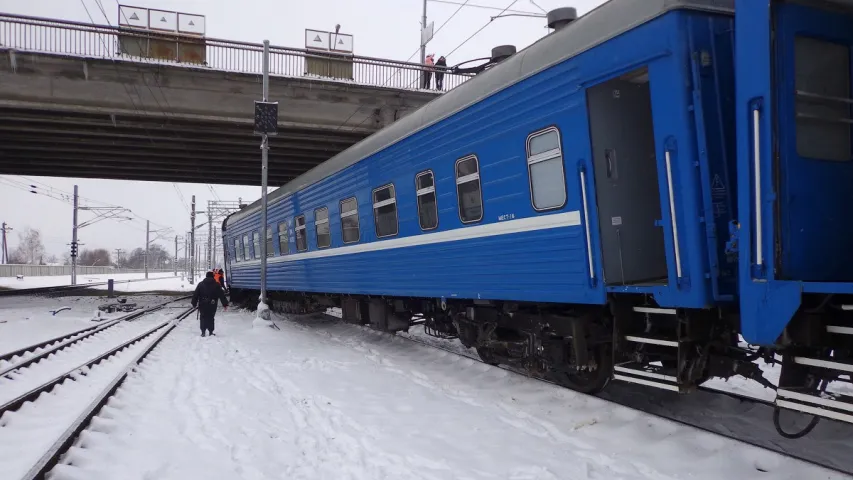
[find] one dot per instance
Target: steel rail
(72, 338)
(53, 454)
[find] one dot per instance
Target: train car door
(814, 164)
(626, 180)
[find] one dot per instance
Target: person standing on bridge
(428, 67)
(205, 296)
(440, 67)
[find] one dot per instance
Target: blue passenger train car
(578, 209)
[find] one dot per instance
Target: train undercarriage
(631, 339)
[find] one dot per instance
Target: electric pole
(209, 236)
(176, 256)
(187, 254)
(423, 36)
(118, 256)
(4, 250)
(147, 232)
(192, 242)
(74, 242)
(213, 252)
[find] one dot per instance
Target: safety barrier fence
(62, 37)
(11, 270)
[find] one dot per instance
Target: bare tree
(156, 256)
(98, 257)
(15, 257)
(30, 248)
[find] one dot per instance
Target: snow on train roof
(601, 24)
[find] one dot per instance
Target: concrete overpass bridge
(75, 101)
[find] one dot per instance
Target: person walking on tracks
(205, 296)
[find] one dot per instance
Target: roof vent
(502, 52)
(560, 17)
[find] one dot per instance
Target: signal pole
(74, 242)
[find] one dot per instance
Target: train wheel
(487, 355)
(589, 381)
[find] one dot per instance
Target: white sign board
(427, 33)
(132, 17)
(341, 42)
(316, 39)
(161, 20)
(188, 23)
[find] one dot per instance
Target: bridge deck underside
(127, 147)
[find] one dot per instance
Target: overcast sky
(381, 28)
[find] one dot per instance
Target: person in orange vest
(219, 275)
(429, 62)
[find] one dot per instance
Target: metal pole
(423, 27)
(213, 252)
(192, 243)
(147, 233)
(209, 255)
(187, 255)
(176, 256)
(3, 247)
(264, 153)
(74, 242)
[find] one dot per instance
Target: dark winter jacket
(206, 294)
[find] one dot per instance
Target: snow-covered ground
(57, 280)
(319, 399)
(124, 283)
(25, 379)
(26, 434)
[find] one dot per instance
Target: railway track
(35, 352)
(62, 406)
(625, 392)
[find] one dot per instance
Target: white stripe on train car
(543, 222)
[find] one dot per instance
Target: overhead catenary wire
(481, 29)
(142, 76)
(461, 6)
(474, 5)
(67, 198)
(537, 6)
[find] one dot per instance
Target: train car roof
(609, 20)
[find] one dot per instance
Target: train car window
(237, 250)
(468, 190)
(283, 243)
(385, 211)
(246, 253)
(822, 79)
(349, 220)
(270, 249)
(427, 205)
(321, 227)
(301, 238)
(256, 242)
(545, 169)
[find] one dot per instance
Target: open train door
(795, 184)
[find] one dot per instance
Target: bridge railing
(101, 41)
